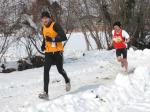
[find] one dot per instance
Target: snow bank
(92, 86)
(129, 93)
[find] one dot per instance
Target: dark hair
(45, 14)
(117, 23)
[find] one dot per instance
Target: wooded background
(22, 19)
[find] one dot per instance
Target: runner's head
(46, 18)
(117, 26)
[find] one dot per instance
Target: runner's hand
(49, 39)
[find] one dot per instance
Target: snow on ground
(128, 94)
(20, 89)
(98, 85)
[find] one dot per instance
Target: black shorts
(120, 52)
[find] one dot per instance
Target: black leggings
(51, 59)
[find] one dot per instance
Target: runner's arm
(61, 34)
(126, 36)
(43, 41)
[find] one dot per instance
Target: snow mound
(129, 93)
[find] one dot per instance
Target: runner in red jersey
(119, 41)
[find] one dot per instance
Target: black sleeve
(61, 34)
(43, 42)
(43, 45)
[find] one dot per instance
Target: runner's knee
(119, 59)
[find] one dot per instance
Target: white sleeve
(113, 32)
(125, 34)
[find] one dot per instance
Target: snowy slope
(128, 94)
(21, 89)
(98, 85)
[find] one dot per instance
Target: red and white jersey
(119, 39)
